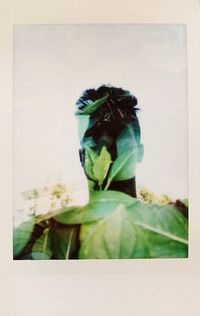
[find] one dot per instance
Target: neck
(126, 186)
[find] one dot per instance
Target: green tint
(101, 204)
(136, 231)
(111, 238)
(92, 106)
(101, 166)
(90, 159)
(22, 235)
(64, 242)
(42, 247)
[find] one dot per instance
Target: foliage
(42, 247)
(133, 232)
(22, 235)
(112, 225)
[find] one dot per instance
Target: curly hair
(118, 110)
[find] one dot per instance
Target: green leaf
(123, 168)
(90, 158)
(112, 238)
(42, 247)
(141, 231)
(96, 167)
(64, 242)
(165, 227)
(101, 165)
(92, 106)
(83, 122)
(126, 140)
(22, 235)
(101, 204)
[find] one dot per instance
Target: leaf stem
(107, 185)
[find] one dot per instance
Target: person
(113, 123)
(111, 119)
(111, 147)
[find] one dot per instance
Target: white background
(141, 287)
(54, 64)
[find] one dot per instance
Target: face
(119, 141)
(110, 149)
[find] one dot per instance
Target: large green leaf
(141, 231)
(101, 204)
(42, 247)
(92, 106)
(162, 217)
(64, 242)
(165, 227)
(102, 165)
(22, 235)
(113, 237)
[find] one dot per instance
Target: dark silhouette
(106, 123)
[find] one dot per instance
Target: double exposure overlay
(114, 181)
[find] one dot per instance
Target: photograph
(100, 141)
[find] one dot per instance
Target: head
(111, 120)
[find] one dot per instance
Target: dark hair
(118, 109)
